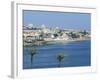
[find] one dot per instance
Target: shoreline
(39, 43)
(65, 41)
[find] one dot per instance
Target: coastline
(69, 40)
(39, 43)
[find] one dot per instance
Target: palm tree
(60, 57)
(32, 53)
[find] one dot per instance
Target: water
(76, 53)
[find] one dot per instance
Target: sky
(65, 20)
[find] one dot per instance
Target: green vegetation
(32, 53)
(40, 35)
(60, 58)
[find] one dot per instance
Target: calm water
(76, 53)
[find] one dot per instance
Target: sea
(75, 54)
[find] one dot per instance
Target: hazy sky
(68, 20)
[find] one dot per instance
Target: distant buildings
(33, 34)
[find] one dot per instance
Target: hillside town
(33, 35)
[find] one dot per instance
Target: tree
(84, 32)
(41, 37)
(60, 57)
(73, 35)
(32, 53)
(55, 35)
(60, 33)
